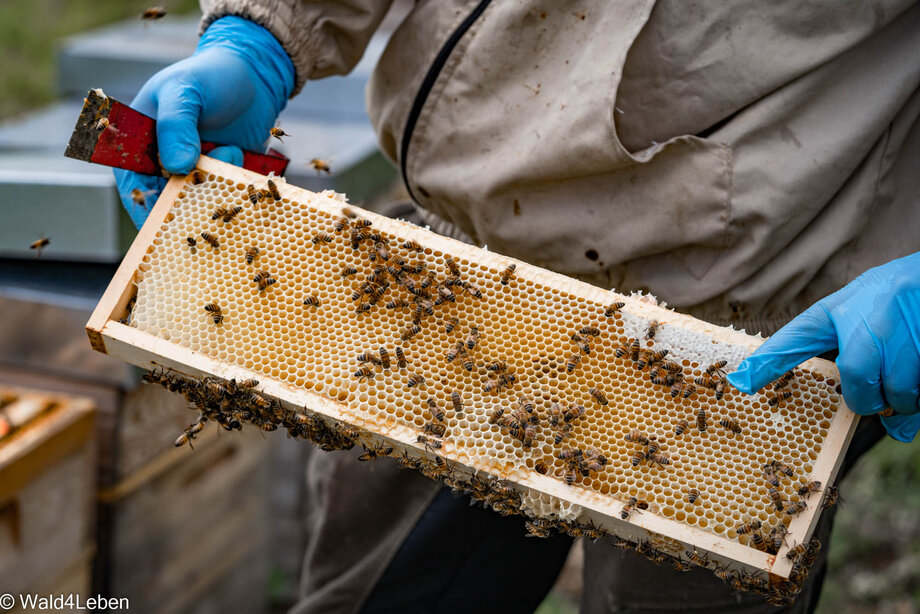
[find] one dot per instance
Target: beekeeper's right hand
(230, 91)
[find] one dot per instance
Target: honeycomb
(306, 330)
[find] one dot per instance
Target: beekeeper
(745, 162)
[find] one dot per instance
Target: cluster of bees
(400, 280)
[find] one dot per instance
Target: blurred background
(114, 508)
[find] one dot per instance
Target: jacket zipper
(428, 82)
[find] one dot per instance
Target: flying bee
(320, 166)
(153, 13)
(731, 425)
(277, 132)
(701, 420)
(777, 398)
(436, 412)
(39, 244)
(455, 351)
(652, 329)
(410, 331)
(598, 396)
(472, 338)
(413, 246)
(215, 312)
(692, 495)
(613, 308)
(749, 527)
(572, 362)
(805, 490)
(456, 402)
(401, 361)
(466, 362)
(682, 425)
(795, 507)
(210, 240)
(541, 467)
(321, 237)
(375, 452)
(364, 373)
(450, 324)
(415, 380)
(776, 498)
(252, 195)
(430, 442)
(506, 274)
(581, 342)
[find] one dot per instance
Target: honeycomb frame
(108, 334)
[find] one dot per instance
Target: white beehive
(307, 356)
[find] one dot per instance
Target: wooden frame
(109, 336)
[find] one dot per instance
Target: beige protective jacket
(739, 160)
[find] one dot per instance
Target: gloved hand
(231, 89)
(875, 322)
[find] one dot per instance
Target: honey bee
(795, 507)
(783, 468)
(530, 431)
(652, 330)
(496, 415)
(251, 254)
(253, 196)
(368, 357)
(811, 553)
(771, 477)
(415, 380)
(720, 389)
(590, 330)
(472, 338)
(682, 425)
(677, 387)
(384, 358)
(659, 459)
(450, 324)
(651, 448)
(638, 437)
(192, 244)
(749, 527)
(466, 362)
(434, 428)
(153, 13)
(472, 290)
(320, 166)
(758, 540)
(39, 244)
(430, 442)
(455, 351)
(436, 412)
(410, 331)
(413, 246)
(397, 304)
(321, 237)
(598, 396)
(613, 308)
(561, 434)
(541, 467)
(506, 274)
(805, 490)
(632, 505)
(716, 369)
(401, 361)
(380, 250)
(277, 132)
(341, 224)
(210, 240)
(445, 294)
(689, 390)
(572, 362)
(570, 476)
(581, 342)
(637, 458)
(215, 312)
(375, 452)
(830, 497)
(574, 412)
(452, 266)
(692, 495)
(782, 381)
(731, 425)
(364, 372)
(699, 559)
(796, 551)
(264, 280)
(456, 402)
(776, 498)
(701, 420)
(777, 398)
(778, 535)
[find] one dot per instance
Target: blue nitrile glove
(231, 90)
(875, 322)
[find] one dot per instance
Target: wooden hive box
(47, 489)
(308, 334)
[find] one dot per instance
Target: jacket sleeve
(323, 37)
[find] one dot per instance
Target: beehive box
(303, 337)
(47, 483)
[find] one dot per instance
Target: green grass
(30, 29)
